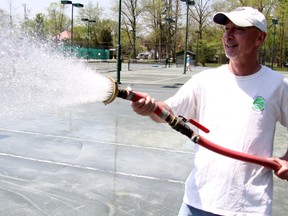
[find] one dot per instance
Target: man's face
(241, 43)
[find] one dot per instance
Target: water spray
(35, 76)
(180, 124)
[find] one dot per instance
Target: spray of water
(33, 76)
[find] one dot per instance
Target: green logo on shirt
(259, 103)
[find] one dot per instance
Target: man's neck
(244, 68)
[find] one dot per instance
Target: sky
(40, 6)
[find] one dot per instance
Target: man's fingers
(144, 106)
(283, 171)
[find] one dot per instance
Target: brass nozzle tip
(113, 91)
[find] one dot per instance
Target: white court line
(91, 168)
(95, 141)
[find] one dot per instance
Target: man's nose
(228, 34)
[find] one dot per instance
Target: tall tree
(171, 34)
(92, 12)
(40, 26)
(56, 20)
(4, 17)
(201, 15)
(106, 36)
(154, 14)
(282, 33)
(131, 10)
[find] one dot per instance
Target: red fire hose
(179, 124)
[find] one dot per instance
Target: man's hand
(282, 173)
(145, 106)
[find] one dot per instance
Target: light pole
(119, 44)
(274, 22)
(88, 33)
(188, 3)
(78, 5)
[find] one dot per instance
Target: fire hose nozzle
(113, 91)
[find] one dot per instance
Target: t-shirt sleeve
(183, 103)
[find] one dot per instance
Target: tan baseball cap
(243, 17)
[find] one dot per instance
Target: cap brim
(222, 18)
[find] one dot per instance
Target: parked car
(285, 64)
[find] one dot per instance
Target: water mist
(35, 76)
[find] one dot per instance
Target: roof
(63, 35)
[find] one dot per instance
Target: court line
(91, 168)
(95, 141)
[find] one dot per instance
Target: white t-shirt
(241, 113)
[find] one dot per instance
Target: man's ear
(261, 38)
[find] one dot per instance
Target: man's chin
(229, 56)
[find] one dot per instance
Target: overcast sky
(40, 6)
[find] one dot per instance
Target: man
(188, 61)
(240, 103)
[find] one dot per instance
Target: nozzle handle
(135, 96)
